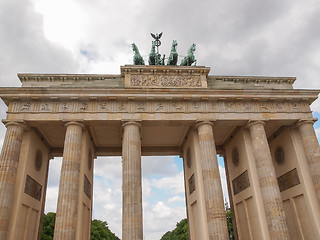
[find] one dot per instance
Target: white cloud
(53, 185)
(173, 184)
(315, 106)
(158, 165)
(107, 202)
(175, 199)
(318, 133)
(223, 178)
(51, 199)
(160, 218)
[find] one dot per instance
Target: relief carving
(65, 107)
(241, 183)
(84, 106)
(192, 184)
(264, 107)
(25, 107)
(288, 180)
(44, 107)
(165, 81)
(279, 106)
(33, 188)
(212, 107)
(177, 107)
(296, 106)
(164, 106)
(229, 105)
(159, 107)
(140, 107)
(122, 107)
(247, 107)
(103, 106)
(87, 187)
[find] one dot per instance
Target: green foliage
(179, 233)
(181, 230)
(99, 229)
(229, 223)
(48, 226)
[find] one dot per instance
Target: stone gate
(260, 125)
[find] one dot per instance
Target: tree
(99, 229)
(181, 230)
(179, 233)
(48, 226)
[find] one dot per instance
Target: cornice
(87, 94)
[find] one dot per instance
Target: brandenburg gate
(261, 126)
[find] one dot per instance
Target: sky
(248, 37)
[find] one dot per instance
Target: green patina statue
(155, 58)
(153, 55)
(137, 59)
(173, 58)
(188, 60)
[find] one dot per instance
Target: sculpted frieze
(165, 106)
(165, 81)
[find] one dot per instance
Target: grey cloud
(24, 47)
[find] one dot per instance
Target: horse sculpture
(173, 58)
(137, 59)
(190, 58)
(153, 56)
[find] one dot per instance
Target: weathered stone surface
(66, 218)
(312, 150)
(132, 222)
(216, 216)
(268, 182)
(9, 160)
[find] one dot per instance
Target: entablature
(103, 94)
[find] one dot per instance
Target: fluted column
(268, 182)
(9, 161)
(312, 151)
(216, 215)
(132, 226)
(66, 218)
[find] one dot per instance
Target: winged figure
(156, 36)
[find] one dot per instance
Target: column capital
(74, 123)
(131, 122)
(204, 122)
(305, 121)
(254, 122)
(21, 124)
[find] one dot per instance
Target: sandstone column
(66, 218)
(312, 150)
(132, 226)
(216, 215)
(9, 161)
(268, 182)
